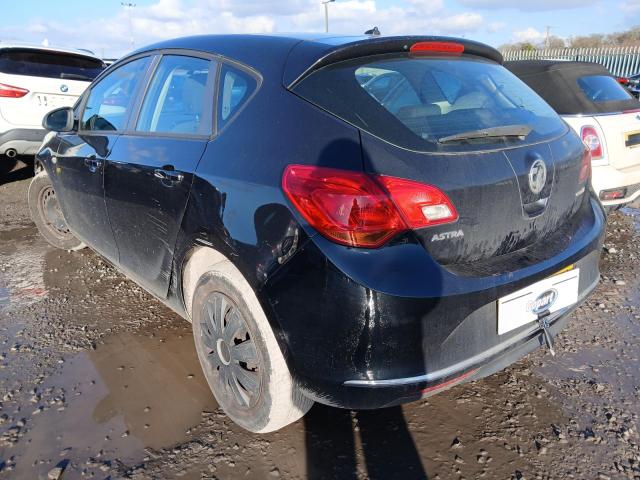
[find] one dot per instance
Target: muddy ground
(98, 380)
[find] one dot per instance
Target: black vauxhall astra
(357, 221)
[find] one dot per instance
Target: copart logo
(447, 235)
(544, 301)
(537, 176)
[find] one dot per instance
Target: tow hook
(543, 321)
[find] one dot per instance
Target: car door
(81, 156)
(150, 170)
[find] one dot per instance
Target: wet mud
(98, 380)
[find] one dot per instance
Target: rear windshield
(416, 103)
(601, 88)
(40, 63)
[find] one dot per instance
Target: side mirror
(59, 120)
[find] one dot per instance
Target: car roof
(557, 83)
(563, 67)
(294, 55)
(29, 46)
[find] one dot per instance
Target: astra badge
(544, 301)
(438, 237)
(537, 176)
(64, 88)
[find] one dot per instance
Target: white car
(33, 81)
(602, 112)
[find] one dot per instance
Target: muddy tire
(47, 215)
(240, 356)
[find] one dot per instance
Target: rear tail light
(616, 194)
(592, 140)
(622, 80)
(442, 48)
(8, 91)
(420, 205)
(585, 166)
(360, 210)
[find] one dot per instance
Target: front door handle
(168, 175)
(93, 164)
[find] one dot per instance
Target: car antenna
(373, 31)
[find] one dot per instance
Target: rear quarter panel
(237, 206)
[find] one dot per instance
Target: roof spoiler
(309, 56)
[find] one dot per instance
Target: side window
(176, 99)
(110, 99)
(236, 86)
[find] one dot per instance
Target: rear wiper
(76, 76)
(520, 131)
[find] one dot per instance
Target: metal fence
(620, 61)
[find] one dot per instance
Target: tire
(47, 215)
(240, 356)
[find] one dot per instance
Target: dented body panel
(360, 328)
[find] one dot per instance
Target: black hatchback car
(332, 238)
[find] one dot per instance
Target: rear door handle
(168, 175)
(93, 164)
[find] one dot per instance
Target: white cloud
(173, 18)
(631, 7)
(528, 35)
(494, 27)
(537, 5)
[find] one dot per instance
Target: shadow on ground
(15, 169)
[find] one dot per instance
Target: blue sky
(104, 26)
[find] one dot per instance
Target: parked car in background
(602, 112)
(633, 85)
(33, 81)
(329, 242)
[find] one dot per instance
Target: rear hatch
(45, 80)
(466, 125)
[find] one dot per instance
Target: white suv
(33, 81)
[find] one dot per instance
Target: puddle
(133, 392)
(21, 267)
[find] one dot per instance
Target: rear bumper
(389, 392)
(606, 177)
(357, 332)
(25, 141)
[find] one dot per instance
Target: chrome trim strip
(469, 362)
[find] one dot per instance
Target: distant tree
(589, 41)
(521, 46)
(555, 42)
(627, 38)
(623, 39)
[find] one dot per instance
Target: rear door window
(39, 63)
(414, 102)
(601, 88)
(177, 100)
(236, 87)
(110, 100)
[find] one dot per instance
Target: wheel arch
(197, 261)
(200, 259)
(38, 166)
